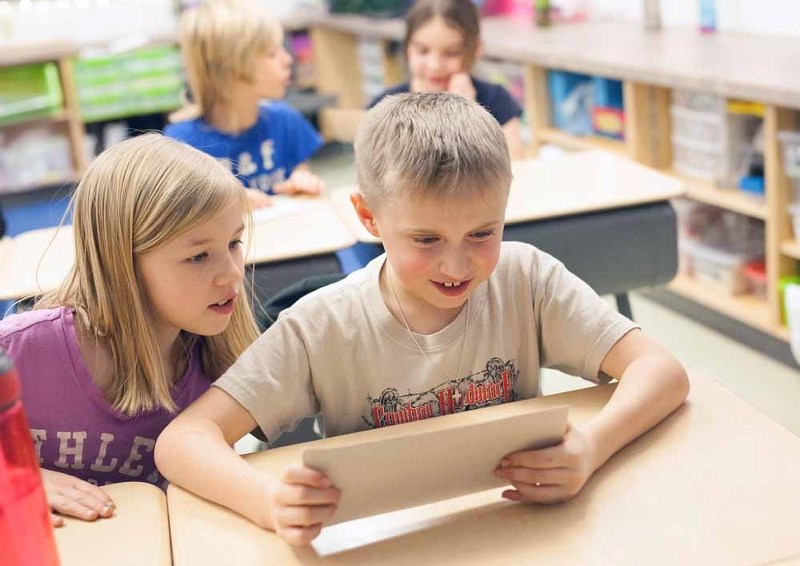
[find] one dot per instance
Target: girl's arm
(195, 451)
(512, 132)
(652, 384)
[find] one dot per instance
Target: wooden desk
(715, 483)
(137, 534)
(284, 242)
(35, 262)
(606, 217)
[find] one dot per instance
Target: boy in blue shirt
(449, 319)
(234, 56)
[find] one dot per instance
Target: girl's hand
(300, 503)
(461, 83)
(301, 181)
(74, 497)
(549, 475)
(258, 199)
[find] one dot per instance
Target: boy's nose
(455, 266)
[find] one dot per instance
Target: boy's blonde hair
(438, 145)
(133, 198)
(220, 40)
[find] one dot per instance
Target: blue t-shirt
(491, 96)
(266, 154)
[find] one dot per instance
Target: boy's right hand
(74, 497)
(300, 502)
(258, 199)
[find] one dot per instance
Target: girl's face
(193, 281)
(435, 53)
(272, 72)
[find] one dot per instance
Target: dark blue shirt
(266, 154)
(491, 96)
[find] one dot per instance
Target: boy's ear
(364, 213)
(478, 52)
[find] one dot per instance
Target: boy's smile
(439, 251)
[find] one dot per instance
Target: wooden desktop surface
(570, 184)
(137, 534)
(316, 229)
(715, 483)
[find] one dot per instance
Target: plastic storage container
(698, 101)
(142, 81)
(756, 273)
(719, 268)
(571, 102)
(791, 153)
(29, 91)
(794, 212)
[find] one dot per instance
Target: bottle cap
(9, 384)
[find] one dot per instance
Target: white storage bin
(791, 153)
(700, 101)
(705, 127)
(719, 268)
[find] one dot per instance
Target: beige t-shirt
(340, 351)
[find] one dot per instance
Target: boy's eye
(425, 240)
(483, 235)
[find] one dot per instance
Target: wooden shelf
(61, 117)
(748, 309)
(791, 248)
(568, 141)
(729, 199)
(43, 184)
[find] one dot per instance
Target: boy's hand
(74, 497)
(258, 199)
(300, 181)
(460, 83)
(301, 501)
(549, 475)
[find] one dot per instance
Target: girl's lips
(225, 308)
(452, 291)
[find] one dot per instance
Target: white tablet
(379, 476)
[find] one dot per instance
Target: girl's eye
(198, 258)
(235, 244)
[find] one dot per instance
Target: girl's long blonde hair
(133, 198)
(219, 41)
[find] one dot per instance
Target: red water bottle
(26, 534)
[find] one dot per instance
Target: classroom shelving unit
(65, 118)
(651, 64)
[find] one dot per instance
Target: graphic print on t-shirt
(492, 386)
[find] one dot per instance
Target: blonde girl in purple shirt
(153, 310)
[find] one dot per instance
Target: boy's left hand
(549, 475)
(300, 182)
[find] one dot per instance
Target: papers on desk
(282, 206)
(422, 467)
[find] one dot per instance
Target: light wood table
(136, 535)
(715, 483)
(38, 261)
(35, 262)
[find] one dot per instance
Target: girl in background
(442, 44)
